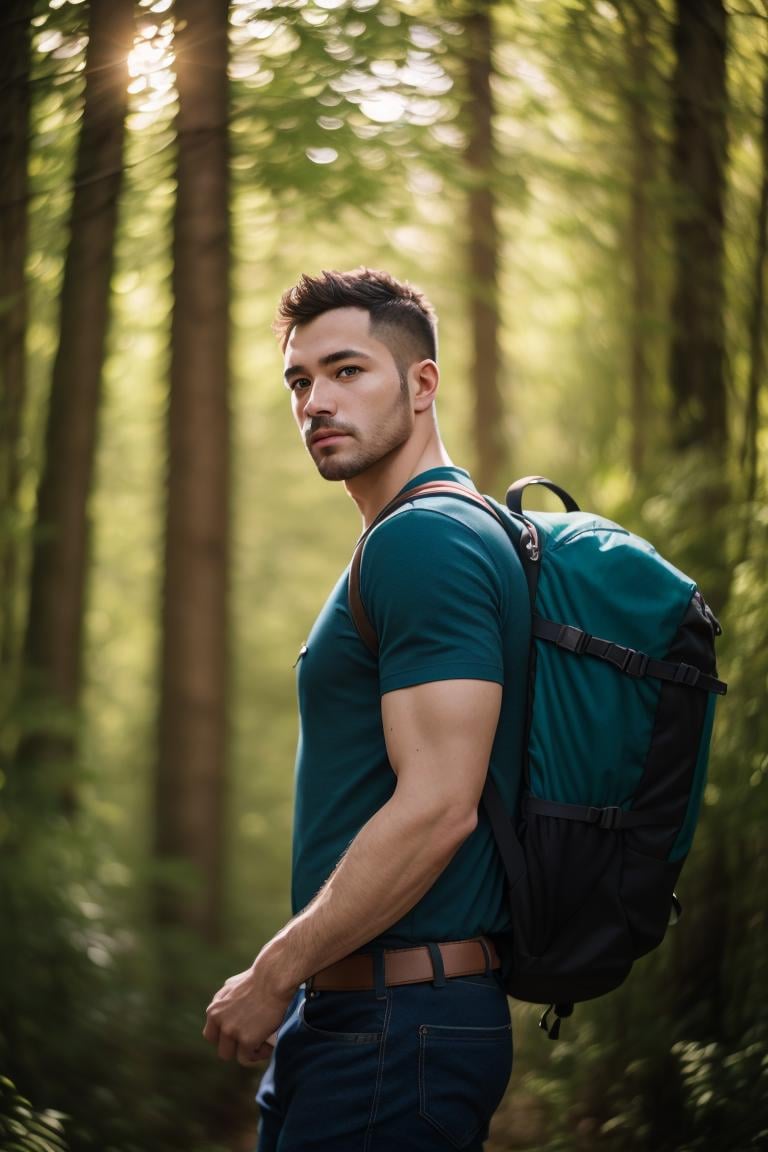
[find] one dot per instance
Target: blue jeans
(419, 1069)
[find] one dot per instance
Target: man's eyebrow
(324, 361)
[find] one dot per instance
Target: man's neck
(375, 487)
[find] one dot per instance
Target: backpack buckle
(636, 663)
(572, 639)
(627, 660)
(687, 674)
(609, 817)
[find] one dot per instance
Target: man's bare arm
(439, 737)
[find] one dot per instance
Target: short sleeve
(435, 598)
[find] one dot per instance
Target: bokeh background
(581, 187)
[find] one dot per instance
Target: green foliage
(336, 106)
(347, 132)
(740, 767)
(726, 1087)
(614, 1082)
(23, 1128)
(85, 1018)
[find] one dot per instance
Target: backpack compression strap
(627, 660)
(432, 488)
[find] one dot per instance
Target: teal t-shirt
(443, 587)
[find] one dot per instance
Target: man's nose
(321, 398)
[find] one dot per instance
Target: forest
(581, 188)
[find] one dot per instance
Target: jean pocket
(463, 1074)
(490, 983)
(336, 1017)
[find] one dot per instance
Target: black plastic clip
(636, 664)
(605, 817)
(687, 674)
(617, 655)
(572, 639)
(561, 1011)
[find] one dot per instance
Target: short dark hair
(401, 316)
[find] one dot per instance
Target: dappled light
(150, 65)
(581, 189)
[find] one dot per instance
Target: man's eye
(349, 370)
(298, 385)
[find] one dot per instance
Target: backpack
(622, 683)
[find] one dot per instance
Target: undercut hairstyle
(401, 316)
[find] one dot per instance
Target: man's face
(348, 398)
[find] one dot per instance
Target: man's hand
(439, 738)
(243, 1018)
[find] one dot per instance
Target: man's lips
(326, 436)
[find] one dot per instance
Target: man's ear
(425, 379)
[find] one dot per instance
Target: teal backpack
(622, 685)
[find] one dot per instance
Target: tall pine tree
(53, 654)
(191, 770)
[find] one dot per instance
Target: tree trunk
(697, 354)
(483, 253)
(638, 50)
(697, 366)
(15, 32)
(757, 324)
(53, 647)
(193, 717)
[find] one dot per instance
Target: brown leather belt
(407, 966)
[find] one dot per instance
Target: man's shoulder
(438, 543)
(439, 523)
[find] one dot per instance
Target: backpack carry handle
(515, 493)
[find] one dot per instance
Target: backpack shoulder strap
(432, 488)
(495, 809)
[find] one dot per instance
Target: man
(394, 1030)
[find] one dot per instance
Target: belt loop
(379, 974)
(487, 954)
(438, 970)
